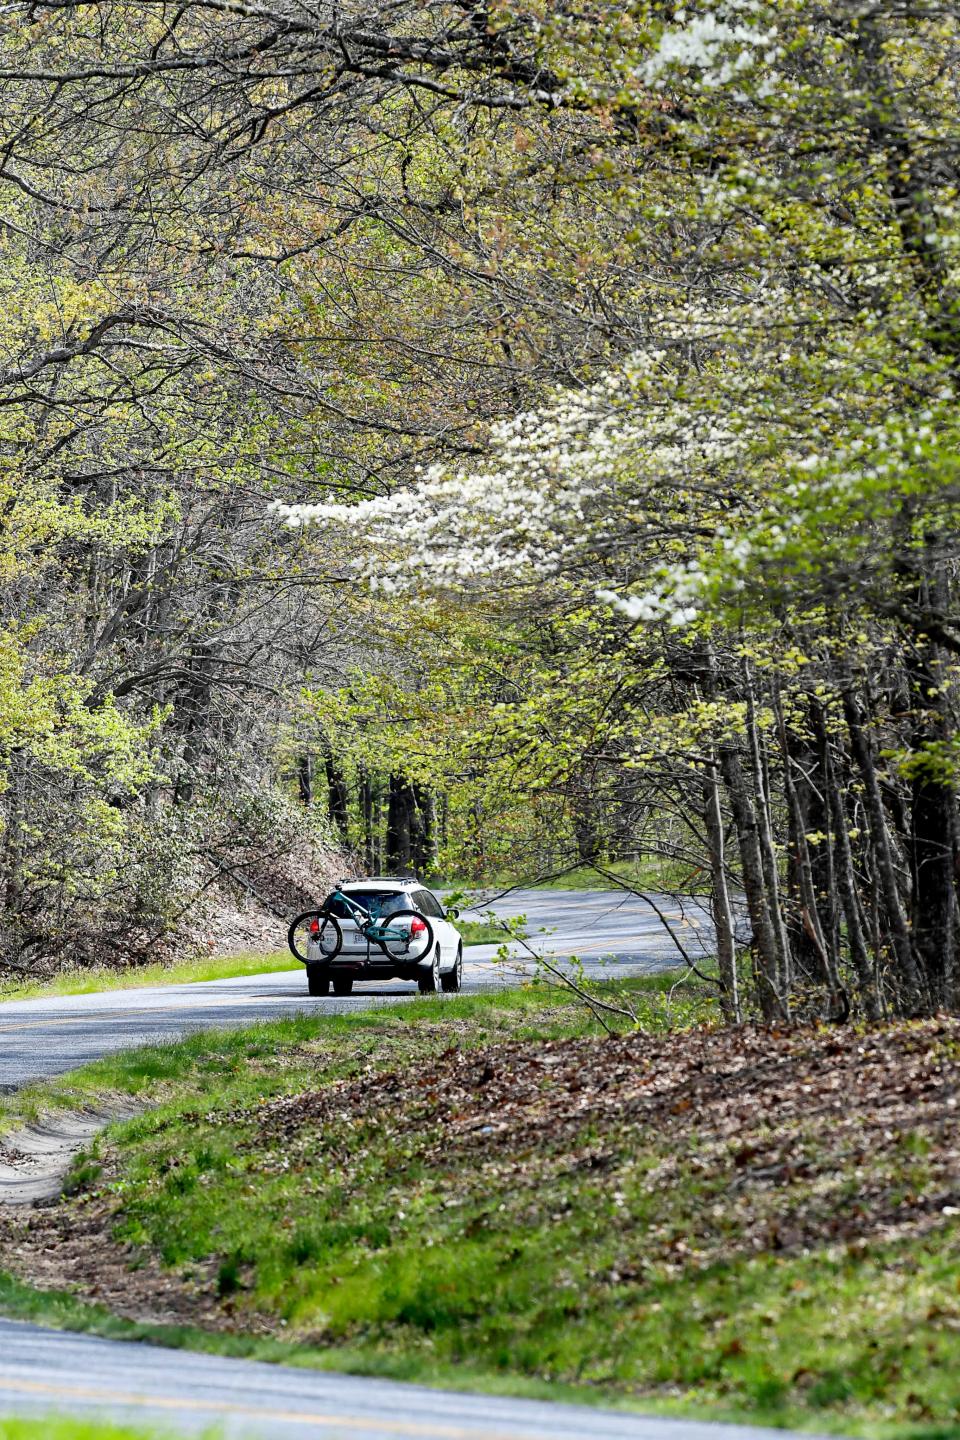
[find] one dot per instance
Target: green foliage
(501, 722)
(483, 932)
(654, 874)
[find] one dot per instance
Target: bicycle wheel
(406, 937)
(314, 937)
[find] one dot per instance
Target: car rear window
(378, 902)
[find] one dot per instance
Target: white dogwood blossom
(710, 43)
(666, 494)
(590, 478)
(545, 488)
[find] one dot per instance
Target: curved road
(613, 934)
(45, 1371)
(186, 1393)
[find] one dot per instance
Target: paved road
(614, 934)
(43, 1371)
(613, 931)
(47, 1371)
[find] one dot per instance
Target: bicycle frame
(367, 925)
(316, 936)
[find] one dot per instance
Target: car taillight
(417, 927)
(314, 927)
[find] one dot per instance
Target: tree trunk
(376, 828)
(338, 798)
(781, 978)
(846, 879)
(419, 829)
(305, 778)
(720, 900)
(933, 813)
(811, 933)
(909, 980)
(751, 864)
(399, 808)
(366, 814)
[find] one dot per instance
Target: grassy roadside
(204, 967)
(282, 1055)
(50, 1427)
(653, 875)
(488, 932)
(486, 1192)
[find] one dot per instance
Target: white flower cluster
(671, 599)
(611, 469)
(858, 485)
(710, 43)
(521, 515)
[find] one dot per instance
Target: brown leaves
(798, 1138)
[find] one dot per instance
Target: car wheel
(318, 980)
(343, 984)
(452, 980)
(430, 983)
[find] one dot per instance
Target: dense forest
(487, 436)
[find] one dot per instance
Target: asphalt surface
(613, 934)
(44, 1372)
(48, 1371)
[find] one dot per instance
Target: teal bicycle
(316, 936)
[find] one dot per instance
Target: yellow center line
(416, 1428)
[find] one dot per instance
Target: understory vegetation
(495, 1192)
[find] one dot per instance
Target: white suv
(361, 959)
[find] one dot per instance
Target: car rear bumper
(372, 966)
(364, 959)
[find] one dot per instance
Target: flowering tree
(769, 476)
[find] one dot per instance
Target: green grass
(488, 932)
(365, 1235)
(50, 1427)
(282, 1053)
(100, 977)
